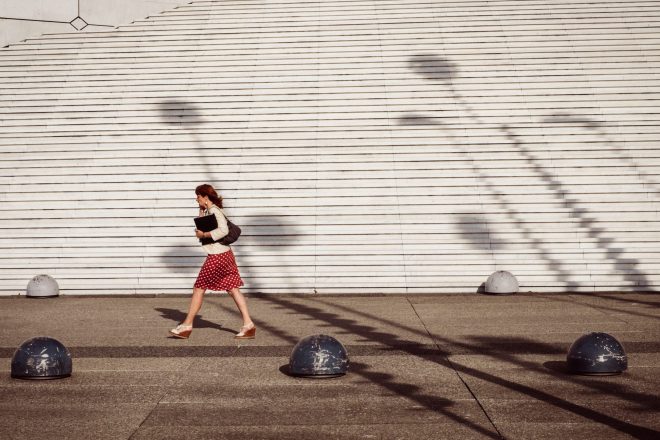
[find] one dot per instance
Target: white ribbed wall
(364, 146)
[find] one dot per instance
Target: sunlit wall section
(363, 146)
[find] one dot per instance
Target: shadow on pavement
(489, 346)
(178, 316)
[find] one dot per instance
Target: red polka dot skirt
(219, 272)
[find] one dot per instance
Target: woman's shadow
(178, 316)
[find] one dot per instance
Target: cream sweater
(217, 234)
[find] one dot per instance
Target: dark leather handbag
(232, 235)
(209, 223)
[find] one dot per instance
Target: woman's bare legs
(195, 305)
(239, 299)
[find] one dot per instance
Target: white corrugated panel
(363, 146)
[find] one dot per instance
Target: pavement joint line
(577, 408)
(476, 399)
(165, 394)
(455, 371)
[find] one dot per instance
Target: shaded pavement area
(422, 367)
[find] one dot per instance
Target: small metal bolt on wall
(596, 354)
(41, 358)
(42, 286)
(318, 356)
(501, 283)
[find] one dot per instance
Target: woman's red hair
(210, 192)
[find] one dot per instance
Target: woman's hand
(199, 233)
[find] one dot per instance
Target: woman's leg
(195, 305)
(239, 299)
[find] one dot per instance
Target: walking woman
(219, 271)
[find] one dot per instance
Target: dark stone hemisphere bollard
(41, 358)
(597, 354)
(318, 356)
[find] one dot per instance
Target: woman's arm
(222, 228)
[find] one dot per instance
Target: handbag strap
(208, 212)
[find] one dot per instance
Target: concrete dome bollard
(597, 354)
(41, 358)
(501, 283)
(42, 286)
(318, 356)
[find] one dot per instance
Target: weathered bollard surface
(42, 286)
(41, 358)
(598, 354)
(501, 283)
(318, 356)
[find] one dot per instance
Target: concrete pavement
(422, 367)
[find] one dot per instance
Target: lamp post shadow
(438, 70)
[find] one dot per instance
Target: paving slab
(411, 377)
(622, 403)
(234, 392)
(71, 420)
(88, 394)
(344, 431)
(565, 430)
(639, 310)
(525, 381)
(131, 364)
(635, 423)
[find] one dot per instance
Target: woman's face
(202, 201)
